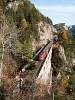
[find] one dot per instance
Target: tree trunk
(2, 56)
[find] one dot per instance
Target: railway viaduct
(45, 73)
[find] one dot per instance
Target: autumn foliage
(23, 24)
(64, 81)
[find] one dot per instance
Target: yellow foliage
(15, 7)
(1, 17)
(64, 35)
(64, 81)
(5, 0)
(6, 27)
(21, 3)
(23, 24)
(0, 10)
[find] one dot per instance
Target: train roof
(48, 46)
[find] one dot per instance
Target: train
(42, 53)
(45, 51)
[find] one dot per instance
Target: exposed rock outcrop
(73, 61)
(45, 32)
(62, 53)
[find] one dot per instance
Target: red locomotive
(43, 54)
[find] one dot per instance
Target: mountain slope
(25, 30)
(22, 27)
(22, 15)
(72, 29)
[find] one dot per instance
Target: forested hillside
(20, 25)
(21, 22)
(64, 65)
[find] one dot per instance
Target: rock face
(67, 59)
(73, 61)
(45, 32)
(62, 53)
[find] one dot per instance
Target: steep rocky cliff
(63, 64)
(62, 53)
(45, 32)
